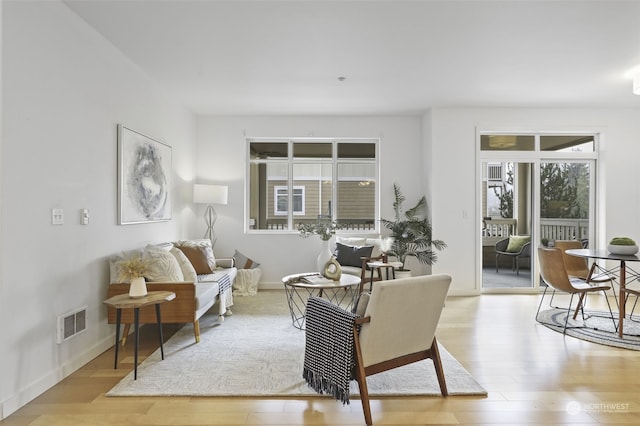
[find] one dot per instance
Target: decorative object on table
(132, 270)
(332, 269)
(144, 178)
(210, 195)
(623, 246)
(325, 230)
(411, 232)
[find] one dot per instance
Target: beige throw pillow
(162, 265)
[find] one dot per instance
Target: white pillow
(188, 271)
(163, 266)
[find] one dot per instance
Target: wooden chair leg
(196, 330)
(361, 378)
(437, 363)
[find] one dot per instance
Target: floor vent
(72, 323)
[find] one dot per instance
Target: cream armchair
(353, 253)
(396, 327)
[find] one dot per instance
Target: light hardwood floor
(534, 376)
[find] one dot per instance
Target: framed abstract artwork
(144, 178)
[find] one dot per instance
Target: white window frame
(302, 194)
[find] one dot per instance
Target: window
(330, 179)
(281, 195)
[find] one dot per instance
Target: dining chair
(554, 274)
(579, 266)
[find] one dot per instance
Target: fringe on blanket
(329, 349)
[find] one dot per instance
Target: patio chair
(554, 274)
(515, 247)
(397, 328)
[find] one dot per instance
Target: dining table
(623, 259)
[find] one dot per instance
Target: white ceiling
(398, 57)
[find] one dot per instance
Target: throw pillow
(516, 242)
(351, 255)
(188, 271)
(201, 257)
(162, 265)
(244, 262)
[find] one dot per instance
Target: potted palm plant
(411, 232)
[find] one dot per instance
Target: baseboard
(271, 286)
(37, 388)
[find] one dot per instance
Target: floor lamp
(210, 195)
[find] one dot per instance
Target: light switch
(84, 216)
(57, 216)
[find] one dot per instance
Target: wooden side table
(378, 266)
(123, 301)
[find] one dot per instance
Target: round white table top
(346, 280)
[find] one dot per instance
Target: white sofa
(189, 269)
(350, 251)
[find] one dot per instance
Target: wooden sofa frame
(180, 310)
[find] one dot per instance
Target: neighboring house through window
(329, 179)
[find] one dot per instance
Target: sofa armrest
(225, 262)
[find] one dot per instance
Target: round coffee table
(343, 292)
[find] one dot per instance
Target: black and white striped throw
(222, 278)
(329, 348)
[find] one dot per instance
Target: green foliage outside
(564, 191)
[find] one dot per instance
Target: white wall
(64, 89)
(222, 159)
(453, 170)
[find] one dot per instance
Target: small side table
(378, 266)
(123, 301)
(342, 292)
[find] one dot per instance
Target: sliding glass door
(506, 224)
(535, 189)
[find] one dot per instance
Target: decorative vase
(332, 269)
(323, 257)
(138, 288)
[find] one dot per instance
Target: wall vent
(72, 323)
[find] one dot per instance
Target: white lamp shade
(210, 194)
(636, 84)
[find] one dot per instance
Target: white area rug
(257, 352)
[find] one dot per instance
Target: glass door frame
(535, 158)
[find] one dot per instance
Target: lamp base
(210, 218)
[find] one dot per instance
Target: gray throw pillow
(351, 255)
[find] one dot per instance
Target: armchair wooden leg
(196, 330)
(361, 378)
(437, 363)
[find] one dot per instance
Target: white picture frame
(144, 178)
